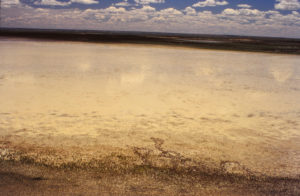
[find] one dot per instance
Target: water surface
(213, 106)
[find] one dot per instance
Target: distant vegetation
(220, 42)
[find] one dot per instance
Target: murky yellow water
(215, 105)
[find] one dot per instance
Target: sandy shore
(141, 120)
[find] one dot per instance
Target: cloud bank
(145, 15)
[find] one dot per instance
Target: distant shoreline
(217, 42)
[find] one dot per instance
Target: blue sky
(239, 17)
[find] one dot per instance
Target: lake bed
(68, 102)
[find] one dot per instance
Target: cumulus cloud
(149, 1)
(171, 11)
(115, 10)
(148, 8)
(242, 21)
(9, 3)
(210, 3)
(230, 11)
(60, 3)
(287, 5)
(244, 12)
(85, 1)
(244, 6)
(52, 3)
(190, 11)
(122, 3)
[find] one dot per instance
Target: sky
(276, 18)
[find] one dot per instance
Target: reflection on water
(282, 72)
(218, 105)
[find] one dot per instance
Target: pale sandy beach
(125, 119)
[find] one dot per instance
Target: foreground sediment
(142, 171)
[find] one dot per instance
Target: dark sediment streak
(142, 169)
(218, 42)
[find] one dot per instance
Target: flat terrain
(216, 42)
(128, 119)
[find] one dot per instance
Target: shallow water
(217, 106)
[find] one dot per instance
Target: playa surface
(133, 119)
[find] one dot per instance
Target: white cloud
(210, 3)
(60, 3)
(147, 18)
(147, 8)
(9, 3)
(244, 6)
(171, 11)
(190, 11)
(287, 5)
(115, 10)
(122, 3)
(243, 12)
(230, 11)
(52, 3)
(149, 1)
(85, 1)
